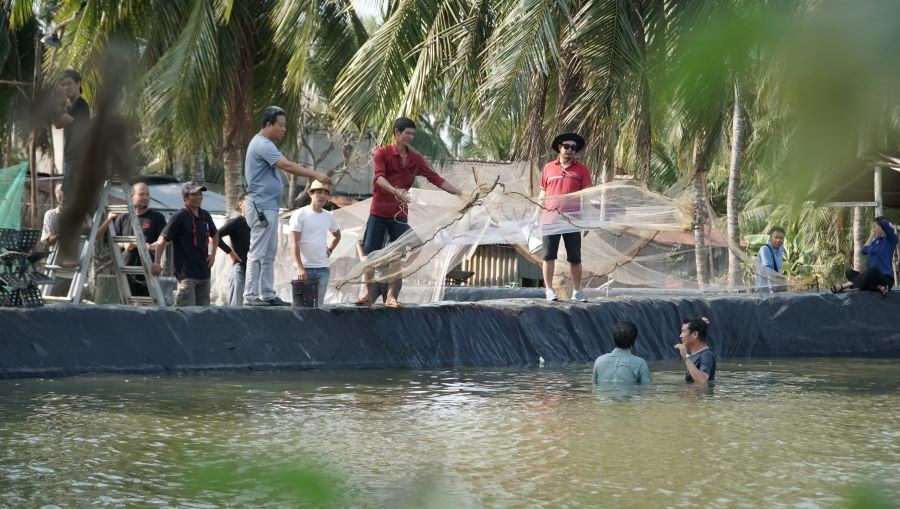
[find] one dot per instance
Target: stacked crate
(19, 279)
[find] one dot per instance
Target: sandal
(837, 288)
(883, 289)
(363, 301)
(394, 303)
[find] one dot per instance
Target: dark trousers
(869, 279)
(377, 227)
(573, 246)
(137, 285)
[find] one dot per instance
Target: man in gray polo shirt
(620, 365)
(265, 185)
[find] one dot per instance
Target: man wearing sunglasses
(563, 176)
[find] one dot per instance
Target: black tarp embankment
(69, 340)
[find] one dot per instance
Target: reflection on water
(780, 433)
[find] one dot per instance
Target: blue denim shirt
(621, 366)
(880, 252)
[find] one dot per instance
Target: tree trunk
(238, 117)
(609, 155)
(198, 172)
(644, 141)
(734, 185)
(700, 219)
(532, 145)
(643, 138)
(32, 139)
(568, 88)
(859, 238)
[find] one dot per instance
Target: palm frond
(523, 48)
(369, 91)
(184, 90)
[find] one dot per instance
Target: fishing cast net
(633, 240)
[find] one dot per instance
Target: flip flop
(394, 303)
(365, 300)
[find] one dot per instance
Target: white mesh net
(632, 238)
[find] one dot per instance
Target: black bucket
(305, 293)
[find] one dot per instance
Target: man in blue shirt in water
(620, 365)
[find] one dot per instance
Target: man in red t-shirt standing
(563, 176)
(396, 168)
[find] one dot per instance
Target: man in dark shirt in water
(698, 358)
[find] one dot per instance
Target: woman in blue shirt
(879, 274)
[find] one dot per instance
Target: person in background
(620, 365)
(51, 231)
(694, 351)
(770, 262)
(152, 223)
(50, 228)
(74, 121)
(311, 247)
(879, 273)
(194, 239)
(238, 232)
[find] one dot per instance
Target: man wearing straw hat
(310, 244)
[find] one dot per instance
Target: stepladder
(69, 270)
(137, 285)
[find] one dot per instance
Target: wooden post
(32, 148)
(879, 202)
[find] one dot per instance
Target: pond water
(771, 433)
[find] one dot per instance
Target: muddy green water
(779, 433)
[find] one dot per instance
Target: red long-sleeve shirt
(390, 165)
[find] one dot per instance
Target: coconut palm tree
(532, 66)
(205, 67)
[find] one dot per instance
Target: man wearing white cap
(194, 238)
(311, 246)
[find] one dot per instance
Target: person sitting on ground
(770, 262)
(620, 365)
(694, 351)
(237, 230)
(311, 247)
(194, 238)
(879, 274)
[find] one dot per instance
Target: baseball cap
(192, 187)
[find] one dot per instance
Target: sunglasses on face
(569, 146)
